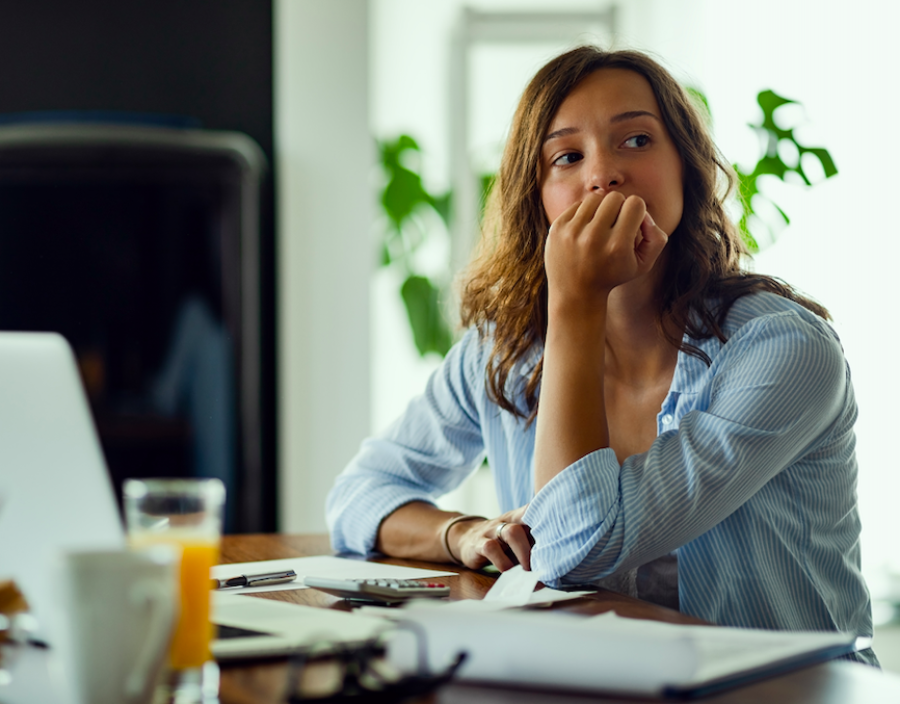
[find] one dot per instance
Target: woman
(651, 411)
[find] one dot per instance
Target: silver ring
(498, 532)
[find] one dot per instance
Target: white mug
(122, 607)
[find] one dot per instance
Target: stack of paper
(604, 653)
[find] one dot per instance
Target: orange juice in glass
(186, 513)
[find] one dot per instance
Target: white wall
(324, 156)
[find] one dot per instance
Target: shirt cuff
(354, 518)
(572, 513)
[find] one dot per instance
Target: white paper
(547, 596)
(318, 566)
(513, 588)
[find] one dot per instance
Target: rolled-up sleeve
(427, 452)
(774, 392)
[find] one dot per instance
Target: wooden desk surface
(263, 682)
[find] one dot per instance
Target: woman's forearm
(571, 420)
(421, 531)
(415, 531)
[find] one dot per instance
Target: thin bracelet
(445, 534)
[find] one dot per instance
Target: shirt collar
(690, 370)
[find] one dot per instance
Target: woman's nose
(604, 175)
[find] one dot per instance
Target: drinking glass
(186, 513)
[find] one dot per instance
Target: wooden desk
(836, 682)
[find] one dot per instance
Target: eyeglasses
(352, 673)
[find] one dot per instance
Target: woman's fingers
(494, 551)
(650, 242)
(608, 216)
(636, 240)
(602, 242)
(597, 211)
(514, 539)
(503, 541)
(518, 537)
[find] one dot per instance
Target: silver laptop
(56, 496)
(57, 493)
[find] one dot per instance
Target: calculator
(387, 591)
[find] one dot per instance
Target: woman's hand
(503, 541)
(592, 247)
(598, 244)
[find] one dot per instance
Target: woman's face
(609, 135)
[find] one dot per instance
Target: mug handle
(154, 595)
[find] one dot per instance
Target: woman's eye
(566, 159)
(639, 140)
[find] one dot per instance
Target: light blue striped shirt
(751, 480)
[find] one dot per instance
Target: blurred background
(324, 284)
(137, 219)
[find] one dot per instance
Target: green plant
(771, 163)
(407, 205)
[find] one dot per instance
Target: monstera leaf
(771, 164)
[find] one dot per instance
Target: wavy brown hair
(505, 294)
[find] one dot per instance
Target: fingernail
(650, 218)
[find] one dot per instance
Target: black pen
(255, 580)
